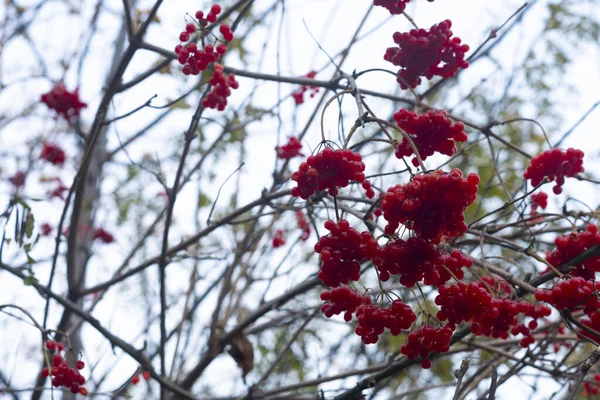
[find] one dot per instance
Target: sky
(330, 23)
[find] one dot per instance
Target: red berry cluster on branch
(393, 6)
(416, 260)
(222, 85)
(136, 378)
(571, 294)
(298, 95)
(103, 235)
(431, 132)
(291, 149)
(427, 53)
(556, 164)
(53, 154)
(423, 341)
(329, 170)
(342, 300)
(539, 200)
(372, 320)
(431, 204)
(60, 371)
(62, 101)
(303, 225)
(342, 251)
(592, 321)
(18, 179)
(591, 389)
(278, 239)
(462, 302)
(571, 245)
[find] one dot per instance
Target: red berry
(135, 380)
(147, 375)
(51, 345)
(289, 150)
(83, 391)
(215, 9)
(53, 154)
(190, 28)
(199, 15)
(80, 364)
(221, 48)
(184, 37)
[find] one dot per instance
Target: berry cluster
(416, 260)
(303, 225)
(431, 204)
(431, 132)
(103, 235)
(18, 179)
(342, 300)
(62, 101)
(393, 6)
(373, 320)
(555, 164)
(591, 389)
(53, 154)
(342, 251)
(291, 149)
(222, 85)
(62, 374)
(136, 378)
(501, 316)
(298, 94)
(462, 302)
(278, 239)
(592, 321)
(570, 295)
(421, 52)
(329, 170)
(425, 340)
(539, 200)
(46, 229)
(571, 245)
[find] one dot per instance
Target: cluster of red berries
(420, 53)
(18, 179)
(278, 239)
(291, 149)
(592, 321)
(393, 6)
(431, 204)
(431, 132)
(373, 320)
(539, 200)
(62, 374)
(555, 164)
(46, 229)
(571, 245)
(329, 170)
(591, 389)
(196, 59)
(298, 94)
(416, 260)
(502, 314)
(222, 85)
(342, 299)
(462, 302)
(103, 235)
(369, 192)
(62, 101)
(425, 340)
(59, 190)
(571, 294)
(342, 251)
(136, 378)
(303, 225)
(53, 154)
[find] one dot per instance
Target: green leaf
(29, 223)
(30, 280)
(203, 201)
